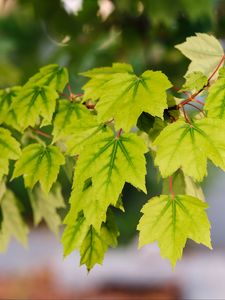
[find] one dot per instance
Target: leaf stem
(48, 136)
(119, 133)
(186, 116)
(196, 107)
(171, 187)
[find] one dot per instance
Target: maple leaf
(96, 243)
(204, 51)
(9, 148)
(45, 207)
(6, 98)
(195, 81)
(50, 75)
(91, 243)
(122, 95)
(181, 145)
(68, 116)
(12, 224)
(171, 221)
(39, 163)
(215, 101)
(32, 102)
(110, 162)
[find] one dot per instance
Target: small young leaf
(195, 81)
(189, 146)
(39, 163)
(204, 51)
(171, 221)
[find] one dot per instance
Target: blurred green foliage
(143, 33)
(140, 32)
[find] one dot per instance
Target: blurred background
(81, 34)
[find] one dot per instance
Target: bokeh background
(81, 34)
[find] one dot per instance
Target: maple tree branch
(199, 102)
(196, 107)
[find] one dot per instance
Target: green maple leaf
(12, 224)
(51, 75)
(81, 134)
(195, 81)
(9, 148)
(171, 221)
(110, 162)
(189, 146)
(99, 76)
(215, 101)
(74, 234)
(33, 102)
(67, 118)
(39, 163)
(204, 51)
(92, 244)
(45, 207)
(96, 243)
(6, 99)
(122, 95)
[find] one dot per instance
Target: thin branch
(199, 102)
(196, 107)
(192, 97)
(217, 68)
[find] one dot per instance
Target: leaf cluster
(106, 132)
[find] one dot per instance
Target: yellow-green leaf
(51, 75)
(122, 95)
(204, 51)
(39, 163)
(45, 207)
(171, 221)
(9, 149)
(33, 102)
(109, 162)
(181, 145)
